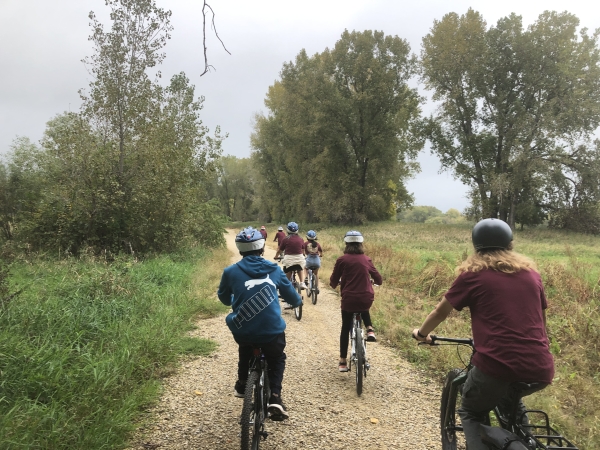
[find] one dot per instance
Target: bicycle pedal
(368, 366)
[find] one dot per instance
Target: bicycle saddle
(500, 439)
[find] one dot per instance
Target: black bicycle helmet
(491, 233)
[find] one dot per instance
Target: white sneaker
(302, 285)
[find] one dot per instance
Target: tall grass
(417, 262)
(83, 348)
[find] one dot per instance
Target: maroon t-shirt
(292, 245)
(264, 233)
(507, 322)
(279, 237)
(355, 272)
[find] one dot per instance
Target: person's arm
(225, 293)
(334, 279)
(435, 317)
(320, 250)
(374, 273)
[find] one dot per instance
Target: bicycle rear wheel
(298, 309)
(249, 419)
(360, 361)
(448, 415)
(313, 287)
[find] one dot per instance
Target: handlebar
(459, 341)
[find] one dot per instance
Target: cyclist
(353, 272)
(293, 259)
(506, 299)
(250, 288)
(263, 231)
(279, 237)
(314, 253)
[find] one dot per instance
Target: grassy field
(417, 262)
(83, 347)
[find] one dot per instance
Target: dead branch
(213, 26)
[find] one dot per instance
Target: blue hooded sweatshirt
(250, 288)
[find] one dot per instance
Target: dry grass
(417, 262)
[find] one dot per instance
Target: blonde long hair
(500, 260)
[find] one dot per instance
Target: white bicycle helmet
(353, 236)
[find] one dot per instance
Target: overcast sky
(42, 43)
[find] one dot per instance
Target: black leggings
(347, 326)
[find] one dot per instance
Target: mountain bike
(256, 398)
(311, 289)
(358, 352)
(515, 431)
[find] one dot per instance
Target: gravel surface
(398, 409)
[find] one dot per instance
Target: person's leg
(316, 272)
(275, 356)
(244, 355)
(480, 394)
(345, 335)
(506, 403)
(274, 352)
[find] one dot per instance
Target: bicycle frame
(542, 437)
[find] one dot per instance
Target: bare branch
(213, 26)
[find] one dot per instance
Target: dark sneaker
(371, 336)
(239, 389)
(276, 409)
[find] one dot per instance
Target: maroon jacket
(355, 273)
(279, 237)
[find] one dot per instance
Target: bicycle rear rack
(544, 435)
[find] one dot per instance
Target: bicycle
(524, 436)
(358, 353)
(311, 289)
(256, 398)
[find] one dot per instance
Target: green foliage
(82, 348)
(132, 170)
(511, 123)
(418, 214)
(341, 126)
(235, 187)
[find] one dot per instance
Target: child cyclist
(353, 272)
(505, 297)
(250, 288)
(292, 248)
(314, 253)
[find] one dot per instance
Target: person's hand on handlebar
(416, 334)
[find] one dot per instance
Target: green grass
(83, 348)
(417, 262)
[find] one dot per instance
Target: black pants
(347, 326)
(275, 355)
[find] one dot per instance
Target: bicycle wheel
(313, 287)
(360, 361)
(298, 309)
(448, 415)
(248, 419)
(310, 284)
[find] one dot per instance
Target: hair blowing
(500, 260)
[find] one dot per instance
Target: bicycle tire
(310, 284)
(313, 286)
(360, 361)
(298, 309)
(248, 417)
(448, 407)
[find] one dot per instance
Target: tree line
(516, 110)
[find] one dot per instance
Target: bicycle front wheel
(448, 415)
(360, 361)
(313, 286)
(249, 419)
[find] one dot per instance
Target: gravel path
(397, 410)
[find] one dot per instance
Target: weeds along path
(397, 410)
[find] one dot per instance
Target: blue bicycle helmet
(249, 239)
(311, 235)
(491, 233)
(292, 227)
(353, 236)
